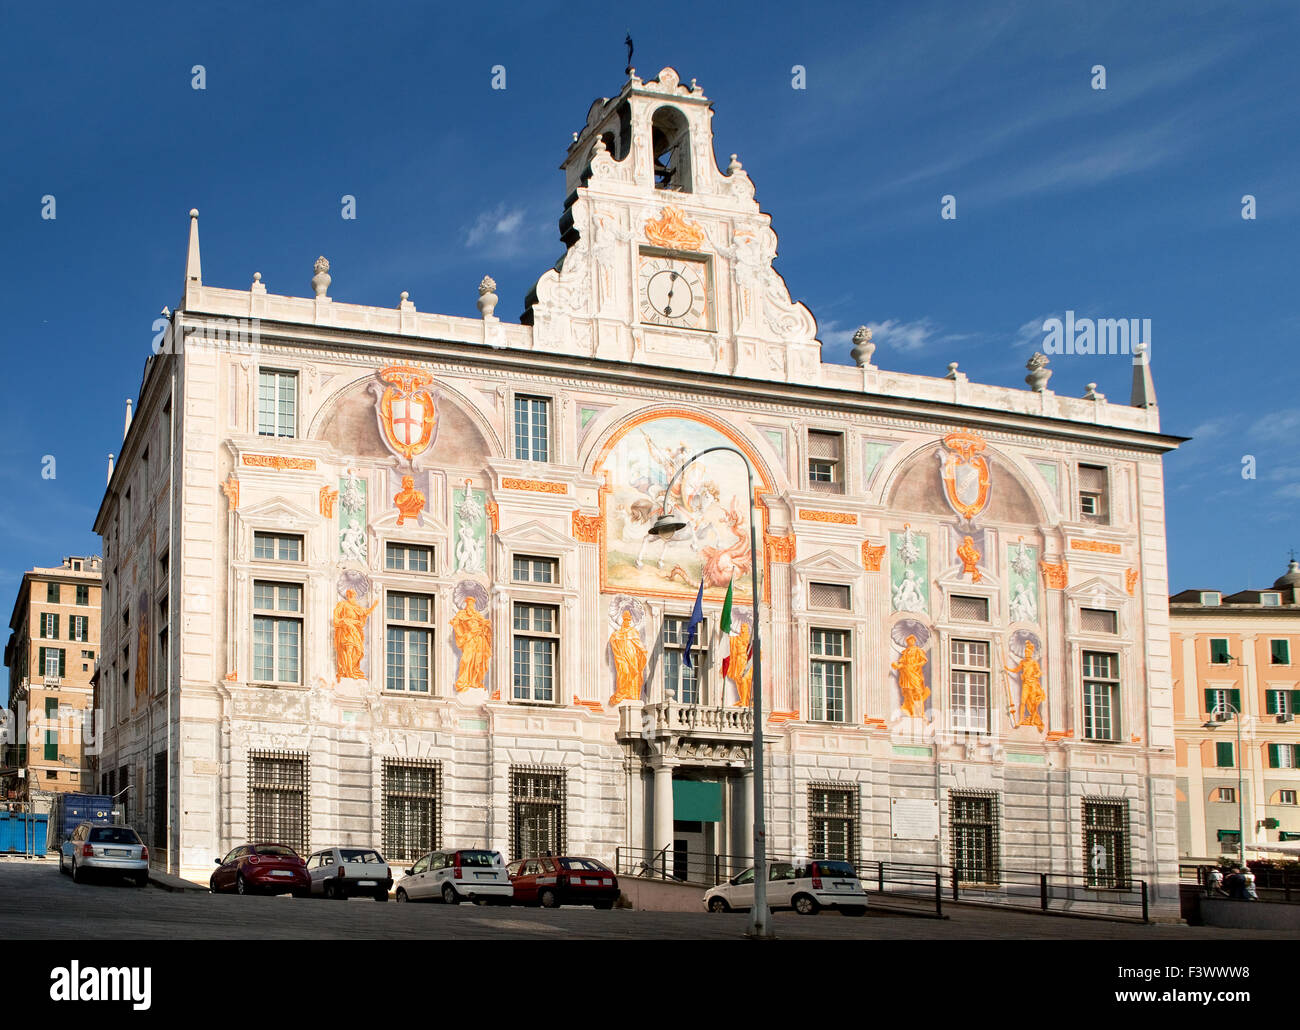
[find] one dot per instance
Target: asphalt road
(38, 903)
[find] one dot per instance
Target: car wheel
(77, 875)
(401, 895)
(241, 885)
(719, 905)
(854, 910)
(142, 880)
(805, 904)
(329, 891)
(604, 906)
(547, 899)
(449, 895)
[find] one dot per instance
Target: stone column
(663, 808)
(635, 831)
(744, 846)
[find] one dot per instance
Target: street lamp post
(1213, 724)
(760, 922)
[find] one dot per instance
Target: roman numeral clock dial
(674, 292)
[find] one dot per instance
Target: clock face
(675, 292)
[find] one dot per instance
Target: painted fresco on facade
(712, 495)
(352, 517)
(911, 669)
(909, 577)
(1022, 581)
(470, 530)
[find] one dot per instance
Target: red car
(552, 882)
(261, 869)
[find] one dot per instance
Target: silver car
(350, 873)
(111, 850)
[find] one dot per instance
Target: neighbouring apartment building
(1237, 653)
(415, 600)
(52, 651)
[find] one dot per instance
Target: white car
(455, 876)
(806, 889)
(349, 873)
(115, 850)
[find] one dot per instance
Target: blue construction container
(23, 832)
(71, 810)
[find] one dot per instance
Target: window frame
(548, 403)
(406, 547)
(838, 466)
(276, 616)
(969, 669)
(407, 626)
(826, 660)
(701, 658)
(526, 799)
(1113, 685)
(276, 537)
(851, 819)
(278, 373)
(553, 637)
(534, 561)
(394, 827)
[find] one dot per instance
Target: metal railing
(673, 866)
(1271, 882)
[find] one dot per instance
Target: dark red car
(261, 869)
(552, 882)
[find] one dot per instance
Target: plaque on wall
(913, 819)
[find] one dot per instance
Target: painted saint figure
(474, 638)
(1032, 694)
(350, 636)
(742, 674)
(911, 681)
(409, 501)
(629, 661)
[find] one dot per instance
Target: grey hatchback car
(110, 850)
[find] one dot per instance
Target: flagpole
(760, 924)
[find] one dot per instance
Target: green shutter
(1295, 701)
(1234, 697)
(51, 736)
(1270, 702)
(63, 669)
(1209, 702)
(42, 669)
(1281, 652)
(1223, 754)
(1274, 761)
(1219, 651)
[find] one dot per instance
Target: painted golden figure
(629, 661)
(350, 636)
(409, 501)
(1032, 694)
(911, 680)
(741, 673)
(970, 556)
(474, 638)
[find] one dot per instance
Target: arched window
(670, 140)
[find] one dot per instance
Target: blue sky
(1117, 203)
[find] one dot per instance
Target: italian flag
(726, 632)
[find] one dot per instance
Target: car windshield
(746, 877)
(114, 835)
(359, 855)
(276, 850)
(478, 858)
(836, 869)
(589, 865)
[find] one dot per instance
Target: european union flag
(697, 616)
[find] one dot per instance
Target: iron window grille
(1106, 842)
(829, 595)
(825, 459)
(412, 799)
(1100, 620)
(687, 683)
(973, 820)
(833, 822)
(538, 803)
(277, 798)
(969, 609)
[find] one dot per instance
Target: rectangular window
(1094, 490)
(687, 683)
(969, 609)
(83, 595)
(277, 403)
(79, 628)
(829, 595)
(833, 822)
(1106, 842)
(1279, 652)
(1099, 620)
(1283, 756)
(408, 558)
(1286, 797)
(277, 546)
(532, 428)
(527, 569)
(1223, 754)
(49, 626)
(1210, 598)
(52, 661)
(409, 642)
(1219, 651)
(973, 817)
(277, 632)
(277, 798)
(829, 674)
(826, 461)
(537, 804)
(52, 736)
(1270, 600)
(1222, 702)
(159, 801)
(535, 652)
(1282, 702)
(970, 686)
(1228, 795)
(412, 808)
(1100, 695)
(51, 593)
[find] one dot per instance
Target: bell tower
(668, 258)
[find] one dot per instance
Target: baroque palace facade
(416, 602)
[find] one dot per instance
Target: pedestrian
(1214, 882)
(1235, 884)
(1248, 888)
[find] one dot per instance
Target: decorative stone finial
(1144, 390)
(258, 286)
(194, 212)
(320, 282)
(863, 347)
(575, 137)
(1090, 392)
(487, 296)
(110, 468)
(952, 370)
(405, 296)
(735, 165)
(1039, 373)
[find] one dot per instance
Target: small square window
(1099, 620)
(1270, 600)
(969, 609)
(1210, 598)
(277, 547)
(1286, 797)
(1279, 652)
(530, 569)
(1228, 794)
(829, 595)
(1219, 651)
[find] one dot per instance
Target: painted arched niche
(637, 462)
(918, 487)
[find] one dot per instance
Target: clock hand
(668, 306)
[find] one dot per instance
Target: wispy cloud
(912, 337)
(500, 225)
(1280, 425)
